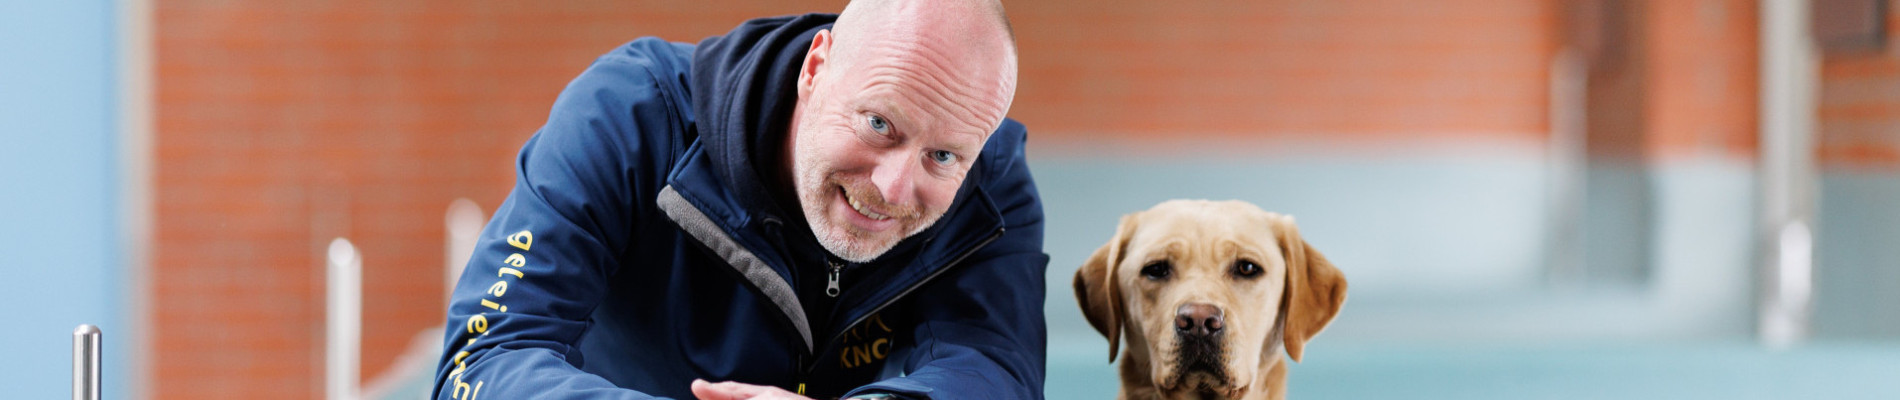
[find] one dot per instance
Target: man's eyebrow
(891, 113)
(977, 138)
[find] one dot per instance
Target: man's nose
(892, 176)
(1198, 319)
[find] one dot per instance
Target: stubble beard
(842, 238)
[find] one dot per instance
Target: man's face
(885, 132)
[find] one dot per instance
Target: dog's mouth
(1201, 369)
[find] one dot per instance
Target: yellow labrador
(1207, 293)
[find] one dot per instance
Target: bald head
(980, 23)
(956, 39)
(983, 12)
(895, 104)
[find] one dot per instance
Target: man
(812, 206)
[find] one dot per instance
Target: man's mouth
(860, 207)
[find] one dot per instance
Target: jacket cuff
(895, 389)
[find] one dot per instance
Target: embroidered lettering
(478, 324)
(867, 343)
(498, 288)
(521, 240)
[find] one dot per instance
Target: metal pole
(86, 347)
(343, 321)
(463, 223)
(1789, 82)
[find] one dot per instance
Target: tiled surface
(1474, 371)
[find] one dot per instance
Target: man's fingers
(709, 391)
(733, 391)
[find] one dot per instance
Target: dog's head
(1207, 293)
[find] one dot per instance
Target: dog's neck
(1270, 385)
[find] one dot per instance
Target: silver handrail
(86, 348)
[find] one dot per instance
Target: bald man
(816, 206)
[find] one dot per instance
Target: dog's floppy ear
(1096, 290)
(1317, 288)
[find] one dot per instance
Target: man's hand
(740, 391)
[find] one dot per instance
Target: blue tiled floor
(1646, 371)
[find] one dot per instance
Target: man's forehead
(944, 67)
(959, 124)
(969, 23)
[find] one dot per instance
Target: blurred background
(1532, 199)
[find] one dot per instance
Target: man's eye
(943, 157)
(880, 125)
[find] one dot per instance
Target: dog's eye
(1156, 271)
(1246, 269)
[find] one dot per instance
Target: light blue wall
(1857, 251)
(63, 262)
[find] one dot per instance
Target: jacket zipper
(831, 286)
(800, 377)
(893, 299)
(831, 289)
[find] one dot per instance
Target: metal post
(86, 348)
(463, 222)
(343, 321)
(1789, 82)
(1569, 96)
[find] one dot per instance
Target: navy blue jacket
(641, 248)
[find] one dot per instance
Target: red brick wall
(1701, 69)
(1860, 103)
(1332, 70)
(1665, 79)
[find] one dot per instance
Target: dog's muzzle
(1199, 346)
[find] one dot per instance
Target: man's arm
(981, 332)
(542, 264)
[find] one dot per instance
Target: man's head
(894, 104)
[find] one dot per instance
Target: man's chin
(854, 247)
(857, 255)
(860, 245)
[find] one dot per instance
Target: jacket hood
(744, 87)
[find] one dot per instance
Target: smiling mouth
(860, 207)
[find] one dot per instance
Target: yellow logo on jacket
(867, 343)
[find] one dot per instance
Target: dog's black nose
(1197, 319)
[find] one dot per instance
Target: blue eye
(944, 157)
(880, 125)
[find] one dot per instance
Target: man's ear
(1318, 288)
(815, 61)
(1096, 289)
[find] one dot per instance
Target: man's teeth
(855, 205)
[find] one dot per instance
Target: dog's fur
(1295, 293)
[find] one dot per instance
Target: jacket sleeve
(981, 333)
(541, 264)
